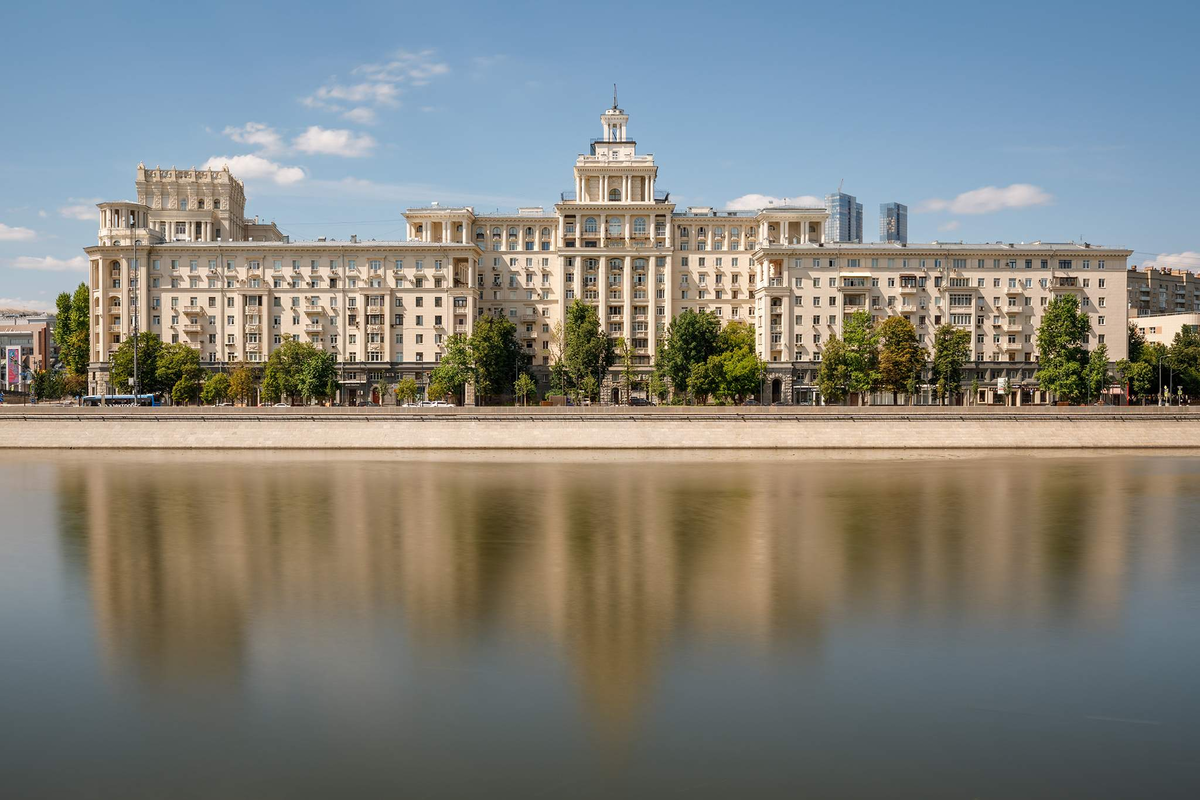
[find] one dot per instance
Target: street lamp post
(133, 315)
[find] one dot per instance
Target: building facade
(33, 332)
(893, 223)
(235, 288)
(845, 218)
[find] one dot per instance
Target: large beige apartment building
(234, 288)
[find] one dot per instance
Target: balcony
(193, 310)
(908, 288)
(529, 316)
(1014, 291)
(1064, 283)
(1012, 346)
(191, 327)
(1012, 327)
(115, 328)
(254, 346)
(312, 327)
(314, 309)
(371, 328)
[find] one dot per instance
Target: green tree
(407, 391)
(703, 381)
(216, 389)
(1137, 342)
(454, 371)
(737, 335)
(739, 372)
(72, 329)
(186, 389)
(241, 384)
(284, 374)
(862, 354)
(589, 387)
(1139, 377)
(74, 384)
(657, 387)
(587, 350)
(318, 376)
(47, 384)
(691, 338)
(176, 362)
(495, 355)
(901, 356)
(833, 378)
(524, 387)
(1185, 360)
(120, 366)
(951, 351)
(628, 372)
(1062, 356)
(1096, 376)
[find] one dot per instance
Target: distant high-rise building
(845, 218)
(893, 222)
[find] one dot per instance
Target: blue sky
(1000, 121)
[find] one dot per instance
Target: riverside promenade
(598, 428)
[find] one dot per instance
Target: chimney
(354, 238)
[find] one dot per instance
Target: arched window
(718, 231)
(639, 226)
(683, 233)
(545, 233)
(699, 231)
(733, 231)
(495, 231)
(614, 195)
(589, 225)
(591, 263)
(116, 302)
(479, 233)
(614, 226)
(529, 233)
(200, 203)
(614, 263)
(639, 263)
(216, 204)
(512, 231)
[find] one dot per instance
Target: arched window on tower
(589, 225)
(639, 226)
(614, 195)
(614, 226)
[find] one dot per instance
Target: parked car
(367, 404)
(411, 404)
(752, 402)
(638, 401)
(443, 404)
(282, 405)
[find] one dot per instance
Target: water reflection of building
(614, 562)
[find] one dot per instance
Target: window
(614, 226)
(614, 195)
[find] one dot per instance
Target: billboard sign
(12, 366)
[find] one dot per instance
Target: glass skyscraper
(845, 218)
(893, 222)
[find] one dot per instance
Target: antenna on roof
(614, 96)
(843, 180)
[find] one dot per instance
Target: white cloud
(360, 114)
(753, 202)
(20, 304)
(988, 199)
(42, 213)
(952, 225)
(8, 234)
(252, 167)
(415, 68)
(380, 84)
(264, 136)
(81, 208)
(49, 263)
(334, 142)
(330, 96)
(1188, 260)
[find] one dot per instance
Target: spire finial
(614, 97)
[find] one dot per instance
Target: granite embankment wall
(507, 429)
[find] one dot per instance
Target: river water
(538, 625)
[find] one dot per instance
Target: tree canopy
(951, 351)
(1062, 356)
(587, 349)
(72, 329)
(297, 369)
(901, 356)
